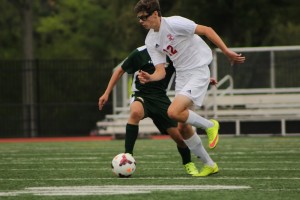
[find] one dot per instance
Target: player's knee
(185, 130)
(136, 115)
(172, 114)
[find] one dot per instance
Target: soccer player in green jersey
(151, 100)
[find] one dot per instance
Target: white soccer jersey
(177, 39)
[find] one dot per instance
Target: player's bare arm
(118, 73)
(159, 74)
(215, 38)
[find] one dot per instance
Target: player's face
(147, 20)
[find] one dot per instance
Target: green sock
(185, 154)
(132, 132)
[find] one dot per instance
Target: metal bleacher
(224, 102)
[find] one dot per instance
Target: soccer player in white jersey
(179, 38)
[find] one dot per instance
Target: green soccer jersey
(139, 59)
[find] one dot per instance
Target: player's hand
(235, 58)
(213, 81)
(144, 77)
(102, 101)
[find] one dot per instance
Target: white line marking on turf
(50, 159)
(10, 154)
(137, 158)
(42, 162)
(144, 169)
(114, 189)
(148, 178)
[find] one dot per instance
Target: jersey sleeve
(182, 26)
(156, 56)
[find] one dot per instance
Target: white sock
(196, 120)
(195, 145)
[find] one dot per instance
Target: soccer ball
(123, 165)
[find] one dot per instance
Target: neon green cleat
(191, 168)
(208, 170)
(213, 135)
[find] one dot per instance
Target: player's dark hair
(148, 6)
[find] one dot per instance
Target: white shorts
(193, 84)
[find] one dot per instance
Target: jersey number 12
(170, 50)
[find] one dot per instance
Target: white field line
(96, 155)
(34, 158)
(148, 178)
(16, 154)
(19, 153)
(46, 159)
(144, 169)
(37, 162)
(114, 189)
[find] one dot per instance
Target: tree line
(93, 29)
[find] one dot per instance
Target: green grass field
(250, 168)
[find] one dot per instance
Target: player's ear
(155, 13)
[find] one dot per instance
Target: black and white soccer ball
(123, 165)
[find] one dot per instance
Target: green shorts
(156, 107)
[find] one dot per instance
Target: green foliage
(74, 29)
(286, 34)
(109, 29)
(10, 35)
(243, 23)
